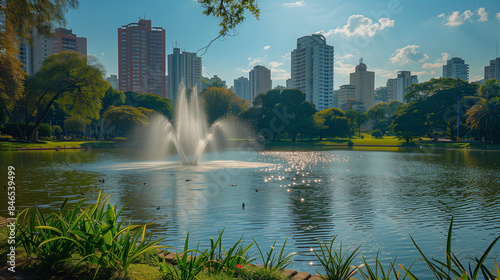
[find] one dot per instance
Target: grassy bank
(15, 145)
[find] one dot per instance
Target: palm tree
(489, 89)
(361, 119)
(376, 113)
(485, 118)
(351, 117)
(409, 136)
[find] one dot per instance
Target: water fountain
(190, 134)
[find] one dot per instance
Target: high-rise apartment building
(346, 93)
(141, 58)
(456, 68)
(260, 81)
(364, 82)
(312, 70)
(493, 70)
(33, 56)
(398, 88)
(289, 83)
(242, 88)
(113, 80)
(183, 67)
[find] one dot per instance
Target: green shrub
(377, 134)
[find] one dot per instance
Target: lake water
(374, 198)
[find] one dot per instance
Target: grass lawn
(13, 146)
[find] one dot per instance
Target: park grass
(15, 145)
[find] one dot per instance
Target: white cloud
(384, 73)
(287, 56)
(410, 53)
(326, 34)
(295, 4)
(255, 61)
(476, 78)
(420, 73)
(241, 70)
(498, 16)
(347, 56)
(343, 69)
(483, 15)
(267, 47)
(361, 26)
(275, 64)
(456, 19)
(438, 62)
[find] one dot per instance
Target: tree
(338, 126)
(76, 124)
(112, 97)
(381, 94)
(376, 112)
(320, 119)
(351, 116)
(409, 136)
(217, 102)
(361, 119)
(149, 101)
(489, 89)
(125, 118)
(72, 81)
(484, 118)
(18, 19)
(229, 12)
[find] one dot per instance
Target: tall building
(33, 56)
(456, 68)
(345, 93)
(113, 80)
(392, 90)
(242, 88)
(364, 82)
(215, 80)
(183, 67)
(141, 58)
(398, 88)
(312, 70)
(260, 81)
(493, 70)
(289, 83)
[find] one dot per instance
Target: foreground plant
(93, 236)
(453, 268)
(337, 265)
(377, 271)
(273, 261)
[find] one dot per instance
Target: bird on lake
(243, 206)
(187, 180)
(158, 208)
(256, 190)
(233, 185)
(145, 183)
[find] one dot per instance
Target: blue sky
(390, 35)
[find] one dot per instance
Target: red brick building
(141, 58)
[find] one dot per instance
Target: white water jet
(190, 134)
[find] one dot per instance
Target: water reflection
(372, 198)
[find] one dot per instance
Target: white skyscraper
(312, 70)
(186, 67)
(456, 68)
(260, 81)
(397, 88)
(242, 88)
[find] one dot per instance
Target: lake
(373, 198)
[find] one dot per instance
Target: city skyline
(390, 35)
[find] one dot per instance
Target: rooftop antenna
(360, 60)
